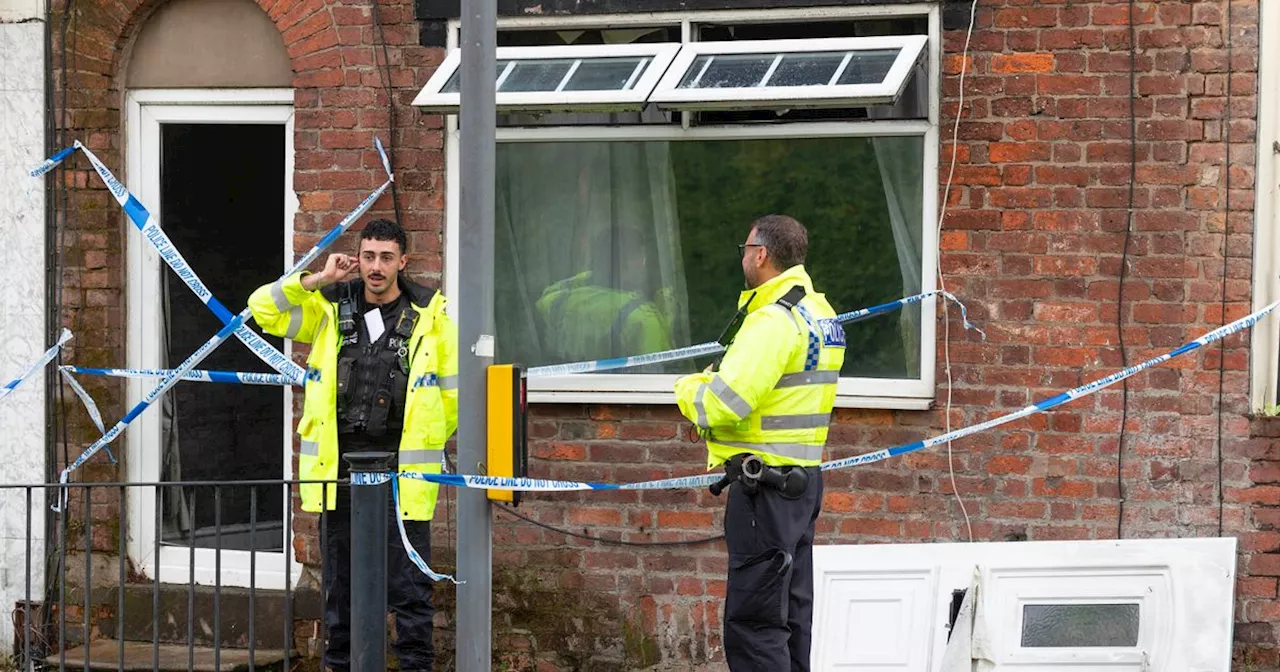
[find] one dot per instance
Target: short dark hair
(786, 240)
(385, 229)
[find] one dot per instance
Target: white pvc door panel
(1089, 606)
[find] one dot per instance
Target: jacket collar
(775, 289)
(419, 295)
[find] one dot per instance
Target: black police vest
(373, 377)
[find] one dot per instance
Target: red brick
(1008, 152)
(1026, 17)
(1009, 464)
(685, 520)
(595, 516)
(559, 451)
(1010, 63)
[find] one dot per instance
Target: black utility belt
(749, 471)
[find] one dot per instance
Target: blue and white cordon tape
(714, 348)
(198, 376)
(594, 366)
(154, 234)
(378, 478)
(172, 377)
(701, 480)
(704, 480)
(44, 360)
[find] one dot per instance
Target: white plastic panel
(870, 617)
(1182, 590)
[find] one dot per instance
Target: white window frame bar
(852, 392)
(667, 95)
(1265, 340)
(432, 99)
(145, 111)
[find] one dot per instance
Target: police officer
(382, 376)
(587, 321)
(764, 411)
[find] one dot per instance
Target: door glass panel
(1079, 625)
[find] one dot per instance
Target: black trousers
(768, 611)
(408, 589)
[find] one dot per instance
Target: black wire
(603, 540)
(1226, 232)
(391, 104)
(60, 264)
(55, 553)
(616, 542)
(1124, 267)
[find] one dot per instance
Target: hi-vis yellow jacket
(775, 388)
(285, 309)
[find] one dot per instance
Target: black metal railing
(93, 527)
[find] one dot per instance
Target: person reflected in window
(587, 316)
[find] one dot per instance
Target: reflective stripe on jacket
(285, 309)
(775, 388)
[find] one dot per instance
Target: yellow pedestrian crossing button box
(508, 449)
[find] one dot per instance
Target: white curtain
(588, 244)
(902, 173)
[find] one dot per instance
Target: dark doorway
(222, 203)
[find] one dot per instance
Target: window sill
(668, 398)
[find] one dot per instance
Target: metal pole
(477, 118)
(369, 562)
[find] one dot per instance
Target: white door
(1085, 606)
(215, 167)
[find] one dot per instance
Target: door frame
(145, 111)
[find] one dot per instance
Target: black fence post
(369, 560)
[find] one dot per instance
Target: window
(833, 71)
(617, 224)
(619, 76)
(1079, 625)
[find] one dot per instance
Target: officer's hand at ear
(338, 268)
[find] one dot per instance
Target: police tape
(172, 377)
(378, 478)
(198, 376)
(702, 480)
(90, 406)
(714, 348)
(154, 234)
(44, 360)
(665, 356)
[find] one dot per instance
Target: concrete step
(104, 654)
(170, 623)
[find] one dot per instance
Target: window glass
(1079, 625)
(609, 249)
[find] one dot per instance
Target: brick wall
(1032, 241)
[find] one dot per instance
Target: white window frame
(145, 111)
(1265, 341)
(669, 95)
(432, 98)
(605, 388)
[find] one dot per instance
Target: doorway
(215, 168)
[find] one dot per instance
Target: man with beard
(764, 412)
(382, 377)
